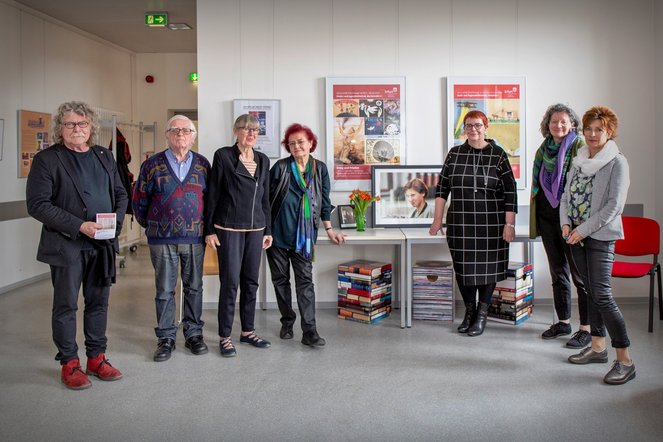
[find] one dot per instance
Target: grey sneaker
(620, 373)
(580, 339)
(588, 356)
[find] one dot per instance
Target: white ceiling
(123, 21)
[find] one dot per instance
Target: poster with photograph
(268, 113)
(502, 99)
(364, 128)
(407, 195)
(34, 135)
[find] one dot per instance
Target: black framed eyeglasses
(178, 130)
(71, 124)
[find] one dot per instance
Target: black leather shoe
(313, 339)
(164, 348)
(196, 344)
(286, 332)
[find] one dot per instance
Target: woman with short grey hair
(238, 228)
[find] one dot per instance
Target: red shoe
(73, 376)
(101, 368)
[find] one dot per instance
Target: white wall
(44, 64)
(171, 88)
(581, 53)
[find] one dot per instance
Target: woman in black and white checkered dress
(481, 217)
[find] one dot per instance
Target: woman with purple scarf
(551, 164)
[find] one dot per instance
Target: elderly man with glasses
(72, 185)
(168, 203)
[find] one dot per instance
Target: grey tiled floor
(369, 383)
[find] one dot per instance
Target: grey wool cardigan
(610, 187)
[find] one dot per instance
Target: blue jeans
(594, 259)
(165, 259)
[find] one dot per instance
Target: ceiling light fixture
(178, 26)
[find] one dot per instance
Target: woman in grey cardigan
(590, 216)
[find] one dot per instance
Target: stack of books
(364, 291)
(513, 297)
(432, 291)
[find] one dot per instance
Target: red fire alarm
(149, 79)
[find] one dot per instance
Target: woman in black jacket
(238, 227)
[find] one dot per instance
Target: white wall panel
(580, 53)
(365, 36)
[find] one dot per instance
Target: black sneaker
(580, 339)
(559, 329)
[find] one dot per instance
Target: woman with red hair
(590, 217)
(481, 217)
(299, 195)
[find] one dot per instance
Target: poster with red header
(364, 122)
(502, 100)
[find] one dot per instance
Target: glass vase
(360, 218)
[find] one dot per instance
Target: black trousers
(279, 265)
(560, 262)
(67, 282)
(594, 260)
(239, 267)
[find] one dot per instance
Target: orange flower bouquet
(360, 201)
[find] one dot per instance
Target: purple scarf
(551, 181)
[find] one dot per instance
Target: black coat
(55, 198)
(235, 199)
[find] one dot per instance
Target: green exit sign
(193, 76)
(156, 19)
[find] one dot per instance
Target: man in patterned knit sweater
(168, 203)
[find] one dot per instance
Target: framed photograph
(407, 195)
(502, 99)
(365, 126)
(34, 134)
(346, 216)
(268, 112)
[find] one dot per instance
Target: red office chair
(641, 237)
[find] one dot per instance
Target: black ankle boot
(480, 323)
(470, 315)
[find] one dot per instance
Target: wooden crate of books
(364, 291)
(513, 297)
(432, 291)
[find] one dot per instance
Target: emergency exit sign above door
(156, 19)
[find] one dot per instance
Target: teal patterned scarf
(304, 241)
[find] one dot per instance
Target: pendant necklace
(476, 169)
